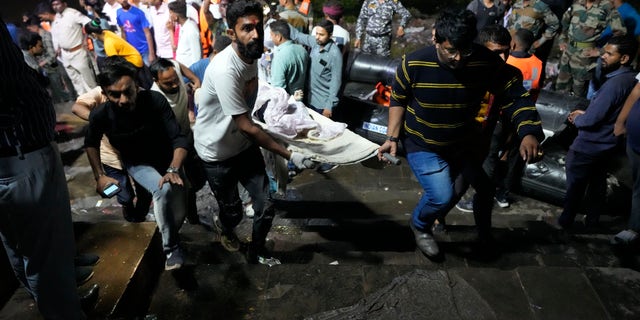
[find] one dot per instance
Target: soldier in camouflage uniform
(537, 17)
(582, 25)
(374, 22)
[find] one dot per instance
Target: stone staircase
(347, 253)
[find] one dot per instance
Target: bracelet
(393, 139)
(172, 170)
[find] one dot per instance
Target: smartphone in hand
(111, 190)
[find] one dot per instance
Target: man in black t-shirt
(142, 127)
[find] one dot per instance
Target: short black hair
(495, 33)
(179, 7)
(524, 38)
(456, 26)
(326, 25)
(241, 8)
(43, 7)
(626, 44)
(115, 67)
(281, 27)
(160, 65)
(221, 42)
(93, 26)
(27, 39)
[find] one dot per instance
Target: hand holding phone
(111, 190)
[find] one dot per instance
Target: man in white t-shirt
(159, 12)
(189, 50)
(226, 138)
(110, 9)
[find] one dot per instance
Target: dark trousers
(505, 174)
(585, 173)
(247, 168)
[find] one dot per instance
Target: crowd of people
(168, 89)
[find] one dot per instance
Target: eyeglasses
(453, 52)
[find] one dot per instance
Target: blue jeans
(445, 177)
(170, 204)
(247, 168)
(634, 218)
(127, 194)
(37, 231)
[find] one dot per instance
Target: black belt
(379, 34)
(7, 152)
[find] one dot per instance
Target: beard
(172, 90)
(252, 50)
(608, 68)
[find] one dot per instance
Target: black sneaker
(83, 274)
(465, 205)
(175, 260)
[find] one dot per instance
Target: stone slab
(561, 293)
(130, 258)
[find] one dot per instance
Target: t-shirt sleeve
(230, 93)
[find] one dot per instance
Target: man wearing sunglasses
(435, 97)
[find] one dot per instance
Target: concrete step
(395, 292)
(130, 263)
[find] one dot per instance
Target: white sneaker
(248, 210)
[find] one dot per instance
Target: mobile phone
(111, 190)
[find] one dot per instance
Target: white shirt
(161, 35)
(189, 50)
(178, 101)
(111, 12)
(229, 87)
(66, 29)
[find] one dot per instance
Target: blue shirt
(630, 18)
(198, 68)
(595, 126)
(325, 74)
(133, 22)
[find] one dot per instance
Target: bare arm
(102, 180)
(152, 51)
(621, 122)
(195, 82)
(396, 117)
(263, 139)
(207, 14)
(179, 154)
(81, 110)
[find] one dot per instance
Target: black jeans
(585, 173)
(505, 174)
(247, 168)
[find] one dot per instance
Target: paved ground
(347, 253)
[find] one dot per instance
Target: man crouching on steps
(141, 125)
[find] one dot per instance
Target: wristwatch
(172, 170)
(393, 139)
